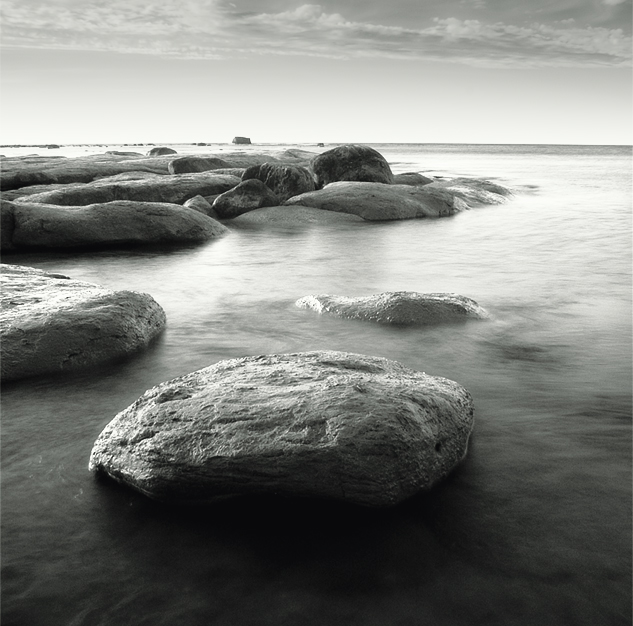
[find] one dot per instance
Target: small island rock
(49, 323)
(398, 307)
(161, 151)
(349, 427)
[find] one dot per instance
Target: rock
(241, 140)
(200, 204)
(161, 151)
(121, 222)
(50, 323)
(411, 178)
(351, 163)
(122, 153)
(377, 201)
(360, 429)
(320, 145)
(285, 181)
(191, 164)
(292, 216)
(473, 191)
(7, 225)
(248, 195)
(174, 189)
(52, 146)
(398, 307)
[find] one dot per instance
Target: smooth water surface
(533, 528)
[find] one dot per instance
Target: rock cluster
(349, 427)
(49, 323)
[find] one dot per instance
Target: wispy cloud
(216, 29)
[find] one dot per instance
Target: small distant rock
(49, 323)
(248, 195)
(349, 427)
(351, 162)
(161, 151)
(398, 307)
(285, 181)
(241, 140)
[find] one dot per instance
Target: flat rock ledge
(398, 307)
(348, 427)
(50, 323)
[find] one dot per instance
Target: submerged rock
(285, 181)
(377, 201)
(49, 323)
(351, 163)
(292, 216)
(398, 307)
(110, 223)
(349, 427)
(248, 195)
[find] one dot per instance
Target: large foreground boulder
(377, 201)
(285, 181)
(49, 323)
(175, 189)
(107, 224)
(351, 162)
(349, 427)
(398, 307)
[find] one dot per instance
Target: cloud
(217, 29)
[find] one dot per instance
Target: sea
(534, 527)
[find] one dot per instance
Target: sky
(283, 71)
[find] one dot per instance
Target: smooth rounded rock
(248, 195)
(411, 178)
(50, 323)
(398, 307)
(108, 224)
(360, 429)
(285, 181)
(351, 162)
(192, 164)
(161, 151)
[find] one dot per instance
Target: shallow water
(535, 525)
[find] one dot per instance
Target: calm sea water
(533, 528)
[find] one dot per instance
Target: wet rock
(200, 204)
(377, 201)
(411, 178)
(473, 191)
(161, 151)
(174, 189)
(351, 163)
(117, 223)
(292, 216)
(285, 181)
(349, 427)
(248, 195)
(49, 323)
(192, 164)
(398, 307)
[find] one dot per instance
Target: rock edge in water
(398, 307)
(50, 323)
(349, 427)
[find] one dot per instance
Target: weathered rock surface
(411, 178)
(351, 163)
(398, 307)
(248, 195)
(285, 181)
(192, 164)
(49, 323)
(7, 225)
(292, 216)
(349, 427)
(377, 201)
(161, 151)
(112, 223)
(174, 189)
(200, 204)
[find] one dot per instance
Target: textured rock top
(398, 307)
(325, 424)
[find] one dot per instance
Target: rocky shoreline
(344, 426)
